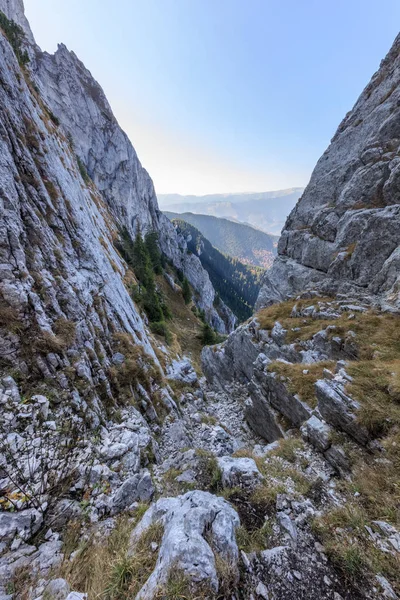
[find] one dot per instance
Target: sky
(223, 96)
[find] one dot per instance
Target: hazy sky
(224, 95)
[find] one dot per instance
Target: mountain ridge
(239, 240)
(268, 214)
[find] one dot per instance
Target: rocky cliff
(123, 472)
(343, 235)
(79, 105)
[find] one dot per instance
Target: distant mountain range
(264, 210)
(239, 240)
(237, 284)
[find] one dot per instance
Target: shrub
(16, 36)
(186, 291)
(207, 335)
(82, 170)
(161, 328)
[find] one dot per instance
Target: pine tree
(151, 243)
(208, 335)
(186, 291)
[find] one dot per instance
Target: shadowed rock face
(344, 232)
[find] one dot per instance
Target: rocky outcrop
(196, 526)
(343, 235)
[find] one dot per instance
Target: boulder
(340, 410)
(57, 589)
(184, 545)
(139, 487)
(317, 433)
(241, 472)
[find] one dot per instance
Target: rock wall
(77, 101)
(343, 235)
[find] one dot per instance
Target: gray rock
(350, 206)
(340, 410)
(262, 591)
(241, 472)
(337, 458)
(24, 524)
(184, 546)
(288, 525)
(139, 487)
(57, 589)
(317, 433)
(182, 370)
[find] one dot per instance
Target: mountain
(343, 235)
(139, 459)
(241, 241)
(265, 210)
(237, 284)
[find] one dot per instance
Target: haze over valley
(264, 210)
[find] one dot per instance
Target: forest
(237, 284)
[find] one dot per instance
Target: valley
(188, 410)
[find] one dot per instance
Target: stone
(262, 591)
(182, 370)
(340, 410)
(24, 524)
(317, 433)
(288, 525)
(241, 472)
(57, 589)
(388, 591)
(139, 487)
(183, 545)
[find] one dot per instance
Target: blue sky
(225, 95)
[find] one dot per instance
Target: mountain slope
(236, 283)
(344, 233)
(241, 241)
(266, 211)
(106, 154)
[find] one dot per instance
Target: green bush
(15, 36)
(82, 169)
(208, 337)
(161, 328)
(186, 291)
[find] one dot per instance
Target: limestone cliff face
(344, 233)
(14, 10)
(86, 119)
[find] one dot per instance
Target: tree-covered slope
(240, 241)
(236, 283)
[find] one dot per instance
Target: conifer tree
(208, 336)
(151, 242)
(186, 291)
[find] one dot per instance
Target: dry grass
(298, 382)
(180, 587)
(65, 330)
(376, 385)
(288, 449)
(209, 475)
(185, 327)
(138, 367)
(255, 540)
(104, 569)
(378, 334)
(348, 545)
